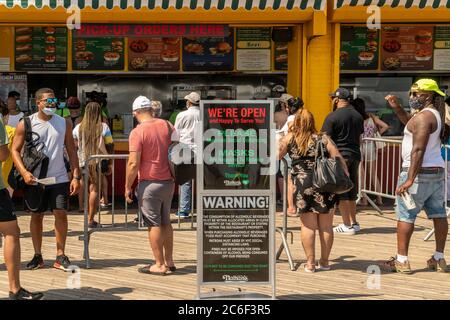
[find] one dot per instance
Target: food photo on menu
(359, 48)
(98, 53)
(206, 54)
(154, 54)
(407, 48)
(40, 48)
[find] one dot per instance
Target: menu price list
(40, 48)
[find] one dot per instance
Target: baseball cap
(285, 97)
(73, 103)
(427, 85)
(341, 93)
(193, 97)
(141, 102)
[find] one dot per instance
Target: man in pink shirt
(149, 144)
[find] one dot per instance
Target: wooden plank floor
(116, 256)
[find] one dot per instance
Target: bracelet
(77, 178)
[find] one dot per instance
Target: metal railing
(87, 232)
(447, 149)
(385, 164)
(381, 164)
(283, 231)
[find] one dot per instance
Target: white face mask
(49, 111)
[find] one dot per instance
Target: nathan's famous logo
(242, 278)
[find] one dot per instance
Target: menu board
(40, 48)
(253, 49)
(242, 125)
(98, 54)
(407, 48)
(208, 54)
(236, 239)
(154, 54)
(442, 48)
(280, 56)
(359, 48)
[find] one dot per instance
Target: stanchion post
(86, 231)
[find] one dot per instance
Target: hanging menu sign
(280, 57)
(442, 48)
(236, 145)
(253, 49)
(154, 54)
(208, 54)
(359, 48)
(98, 54)
(40, 48)
(236, 239)
(407, 48)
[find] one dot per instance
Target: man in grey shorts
(148, 161)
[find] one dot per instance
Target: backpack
(33, 158)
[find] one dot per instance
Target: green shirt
(3, 141)
(63, 112)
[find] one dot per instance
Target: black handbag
(33, 158)
(329, 175)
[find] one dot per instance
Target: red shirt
(152, 139)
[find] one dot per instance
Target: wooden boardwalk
(116, 255)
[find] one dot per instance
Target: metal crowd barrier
(447, 149)
(283, 231)
(87, 232)
(385, 164)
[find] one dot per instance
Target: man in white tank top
(53, 133)
(421, 183)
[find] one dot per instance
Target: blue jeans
(427, 192)
(185, 197)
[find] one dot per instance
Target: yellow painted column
(295, 58)
(321, 72)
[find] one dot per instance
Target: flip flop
(146, 270)
(172, 269)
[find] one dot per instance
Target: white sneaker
(356, 227)
(343, 229)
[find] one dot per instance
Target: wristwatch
(77, 178)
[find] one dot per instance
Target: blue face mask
(416, 104)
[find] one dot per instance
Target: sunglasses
(50, 100)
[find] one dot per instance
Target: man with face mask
(52, 132)
(345, 126)
(422, 177)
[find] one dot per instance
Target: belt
(430, 170)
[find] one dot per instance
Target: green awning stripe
(394, 3)
(178, 4)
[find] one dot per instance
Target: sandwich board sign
(235, 183)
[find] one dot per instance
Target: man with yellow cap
(421, 182)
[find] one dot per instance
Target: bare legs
(61, 226)
(11, 233)
(347, 208)
(161, 242)
(324, 224)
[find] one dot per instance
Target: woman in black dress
(316, 209)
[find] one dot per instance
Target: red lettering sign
(152, 30)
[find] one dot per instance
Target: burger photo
(424, 37)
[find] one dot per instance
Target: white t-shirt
(13, 120)
(185, 126)
(285, 128)
(107, 136)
